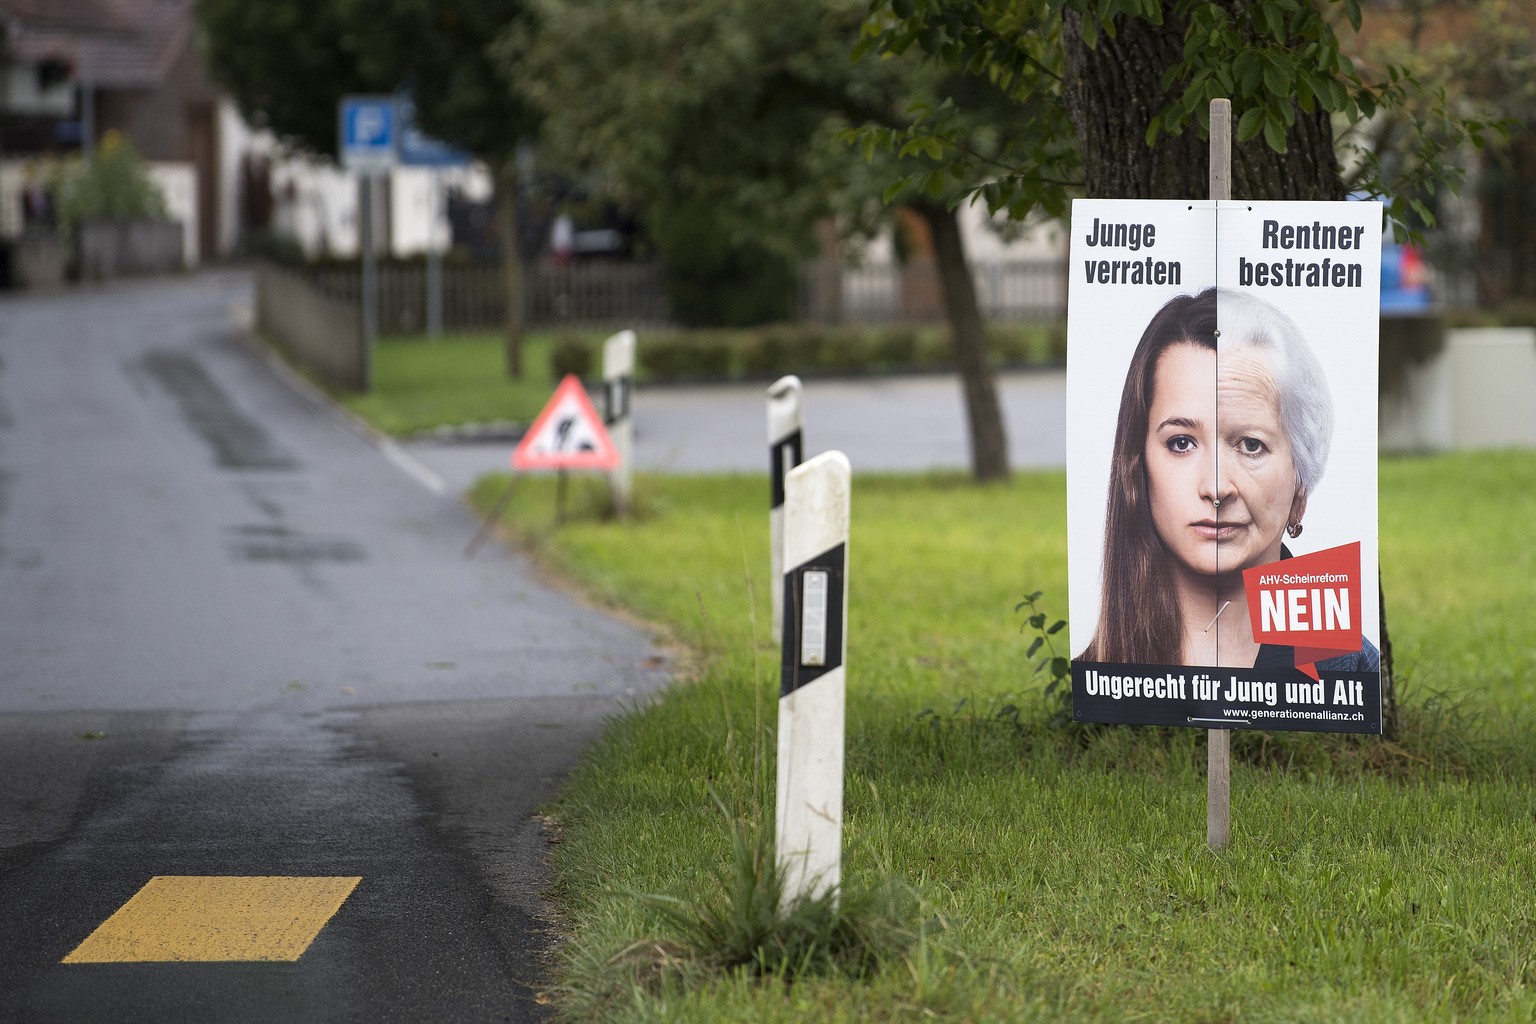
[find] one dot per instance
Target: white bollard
(786, 447)
(809, 832)
(618, 383)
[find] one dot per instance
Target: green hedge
(811, 350)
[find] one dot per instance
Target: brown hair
(1139, 615)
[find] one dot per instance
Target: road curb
(348, 420)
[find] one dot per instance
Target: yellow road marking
(190, 918)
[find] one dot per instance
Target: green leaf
(1250, 123)
(1274, 20)
(1275, 81)
(1275, 136)
(1034, 645)
(1352, 8)
(1250, 71)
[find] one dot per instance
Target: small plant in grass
(1058, 688)
(743, 923)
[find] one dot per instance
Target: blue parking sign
(369, 133)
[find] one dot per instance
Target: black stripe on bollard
(780, 465)
(615, 400)
(793, 673)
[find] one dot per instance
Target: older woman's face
(1219, 467)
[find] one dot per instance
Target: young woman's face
(1219, 468)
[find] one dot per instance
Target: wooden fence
(582, 294)
(474, 297)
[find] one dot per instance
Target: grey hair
(1306, 406)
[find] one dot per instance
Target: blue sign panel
(369, 133)
(420, 150)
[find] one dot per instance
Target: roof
(115, 43)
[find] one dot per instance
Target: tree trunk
(512, 266)
(989, 442)
(1113, 92)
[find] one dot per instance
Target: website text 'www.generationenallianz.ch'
(1323, 716)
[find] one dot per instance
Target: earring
(1294, 529)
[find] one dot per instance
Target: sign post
(786, 447)
(618, 384)
(1218, 745)
(812, 685)
(368, 138)
(418, 149)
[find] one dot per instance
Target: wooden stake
(1218, 782)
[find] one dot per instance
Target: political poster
(1221, 463)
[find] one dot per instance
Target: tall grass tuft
(743, 922)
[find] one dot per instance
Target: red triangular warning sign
(568, 434)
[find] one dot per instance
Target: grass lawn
(460, 378)
(1062, 879)
(420, 385)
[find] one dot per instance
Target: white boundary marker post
(786, 448)
(1218, 752)
(812, 686)
(618, 386)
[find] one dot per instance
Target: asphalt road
(236, 642)
(890, 424)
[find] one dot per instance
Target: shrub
(673, 356)
(765, 352)
(935, 350)
(712, 356)
(1056, 343)
(1009, 344)
(570, 355)
(663, 355)
(115, 185)
(846, 350)
(896, 346)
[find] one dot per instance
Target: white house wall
(178, 184)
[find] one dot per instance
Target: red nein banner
(1310, 602)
